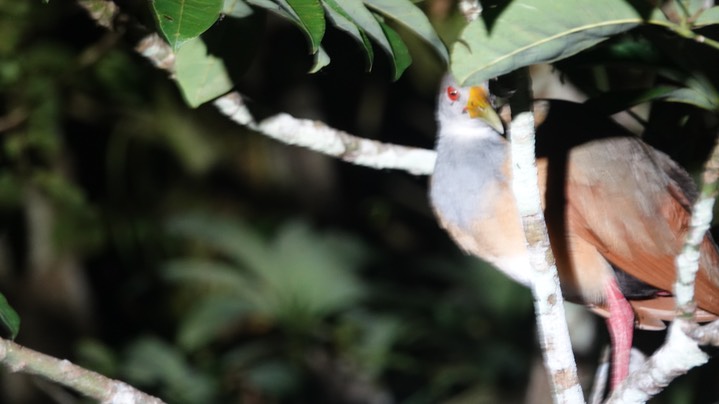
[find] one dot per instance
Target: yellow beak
(478, 106)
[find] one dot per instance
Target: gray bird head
(465, 105)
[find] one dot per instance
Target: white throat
(467, 130)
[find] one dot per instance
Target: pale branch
(687, 262)
(102, 12)
(317, 136)
(601, 375)
(18, 358)
(676, 356)
(471, 9)
(314, 135)
(707, 334)
(599, 385)
(548, 299)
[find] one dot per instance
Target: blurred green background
(204, 263)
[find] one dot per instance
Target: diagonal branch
(319, 137)
(313, 135)
(18, 358)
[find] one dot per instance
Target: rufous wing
(633, 204)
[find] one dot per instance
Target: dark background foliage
(204, 263)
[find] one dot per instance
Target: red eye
(452, 93)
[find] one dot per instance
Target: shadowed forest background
(204, 263)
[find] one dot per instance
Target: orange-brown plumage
(614, 207)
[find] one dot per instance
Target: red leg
(621, 331)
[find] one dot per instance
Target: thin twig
(675, 357)
(18, 358)
(687, 261)
(320, 137)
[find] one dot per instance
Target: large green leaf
(693, 7)
(535, 31)
(182, 20)
(401, 59)
(9, 318)
(694, 97)
(295, 280)
(313, 273)
(612, 102)
(366, 21)
(236, 8)
(407, 14)
(201, 76)
(310, 26)
(344, 22)
(279, 10)
(322, 59)
(708, 17)
(312, 17)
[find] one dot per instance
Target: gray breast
(464, 173)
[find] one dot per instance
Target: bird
(616, 210)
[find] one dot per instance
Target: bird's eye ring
(452, 93)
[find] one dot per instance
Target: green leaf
(407, 14)
(202, 77)
(231, 237)
(94, 355)
(366, 21)
(616, 101)
(236, 8)
(708, 17)
(625, 49)
(698, 90)
(60, 188)
(322, 59)
(693, 97)
(207, 319)
(153, 362)
(279, 377)
(374, 349)
(344, 22)
(536, 31)
(182, 20)
(12, 189)
(312, 17)
(190, 143)
(9, 318)
(312, 275)
(220, 277)
(269, 5)
(309, 23)
(694, 6)
(401, 59)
